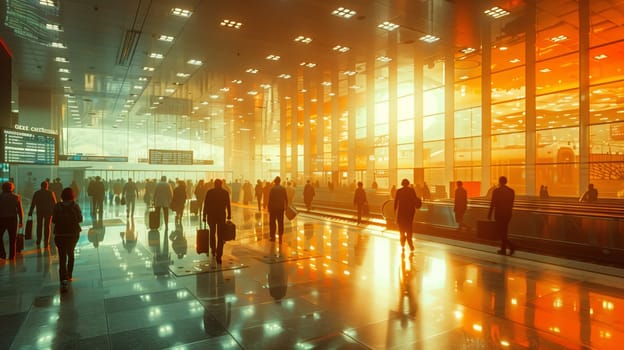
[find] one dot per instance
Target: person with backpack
(66, 217)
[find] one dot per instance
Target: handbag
(291, 212)
(29, 228)
(229, 231)
(19, 242)
(123, 201)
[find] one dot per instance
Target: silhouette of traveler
(405, 204)
(278, 200)
(67, 217)
(591, 195)
(43, 200)
(129, 194)
(501, 205)
(97, 192)
(11, 218)
(461, 205)
(308, 194)
(258, 189)
(216, 209)
(162, 198)
(179, 200)
(360, 201)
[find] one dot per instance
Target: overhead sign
(172, 157)
(28, 147)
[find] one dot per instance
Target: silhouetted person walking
(278, 200)
(502, 204)
(67, 217)
(43, 200)
(591, 195)
(216, 210)
(162, 199)
(405, 205)
(129, 194)
(308, 194)
(461, 205)
(97, 191)
(360, 201)
(11, 218)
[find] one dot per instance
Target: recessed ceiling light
(63, 70)
(61, 59)
(183, 75)
(273, 57)
(429, 38)
(308, 64)
(468, 50)
(559, 38)
(303, 39)
(496, 12)
(384, 59)
(251, 70)
(349, 73)
(602, 56)
(194, 62)
(545, 70)
(252, 92)
(167, 38)
(181, 12)
(142, 79)
(148, 69)
(204, 103)
(50, 3)
(64, 78)
(284, 76)
(57, 45)
(138, 87)
(231, 24)
(265, 86)
(54, 27)
(156, 55)
(389, 26)
(514, 60)
(341, 48)
(237, 81)
(343, 12)
(326, 83)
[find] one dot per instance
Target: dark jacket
(359, 197)
(502, 203)
(216, 203)
(11, 206)
(43, 201)
(278, 199)
(67, 217)
(406, 202)
(461, 200)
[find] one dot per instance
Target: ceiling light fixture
(303, 39)
(148, 69)
(63, 70)
(284, 76)
(496, 12)
(349, 73)
(49, 3)
(237, 81)
(181, 12)
(429, 38)
(231, 24)
(156, 55)
(389, 26)
(558, 38)
(251, 71)
(341, 48)
(326, 83)
(273, 57)
(182, 75)
(602, 56)
(167, 38)
(54, 27)
(468, 50)
(195, 62)
(307, 64)
(57, 45)
(61, 59)
(344, 12)
(142, 79)
(384, 59)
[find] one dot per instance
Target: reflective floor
(329, 285)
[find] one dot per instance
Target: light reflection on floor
(328, 285)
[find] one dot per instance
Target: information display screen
(83, 158)
(173, 157)
(28, 147)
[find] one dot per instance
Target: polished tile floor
(329, 285)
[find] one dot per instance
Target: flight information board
(172, 157)
(28, 147)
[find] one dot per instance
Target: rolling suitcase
(486, 229)
(28, 231)
(154, 219)
(202, 244)
(229, 231)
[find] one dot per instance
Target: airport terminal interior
(332, 93)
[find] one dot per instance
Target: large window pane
(557, 110)
(405, 131)
(405, 155)
(508, 149)
(606, 103)
(557, 146)
(433, 154)
(557, 74)
(468, 122)
(434, 101)
(508, 117)
(468, 152)
(433, 127)
(468, 93)
(508, 85)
